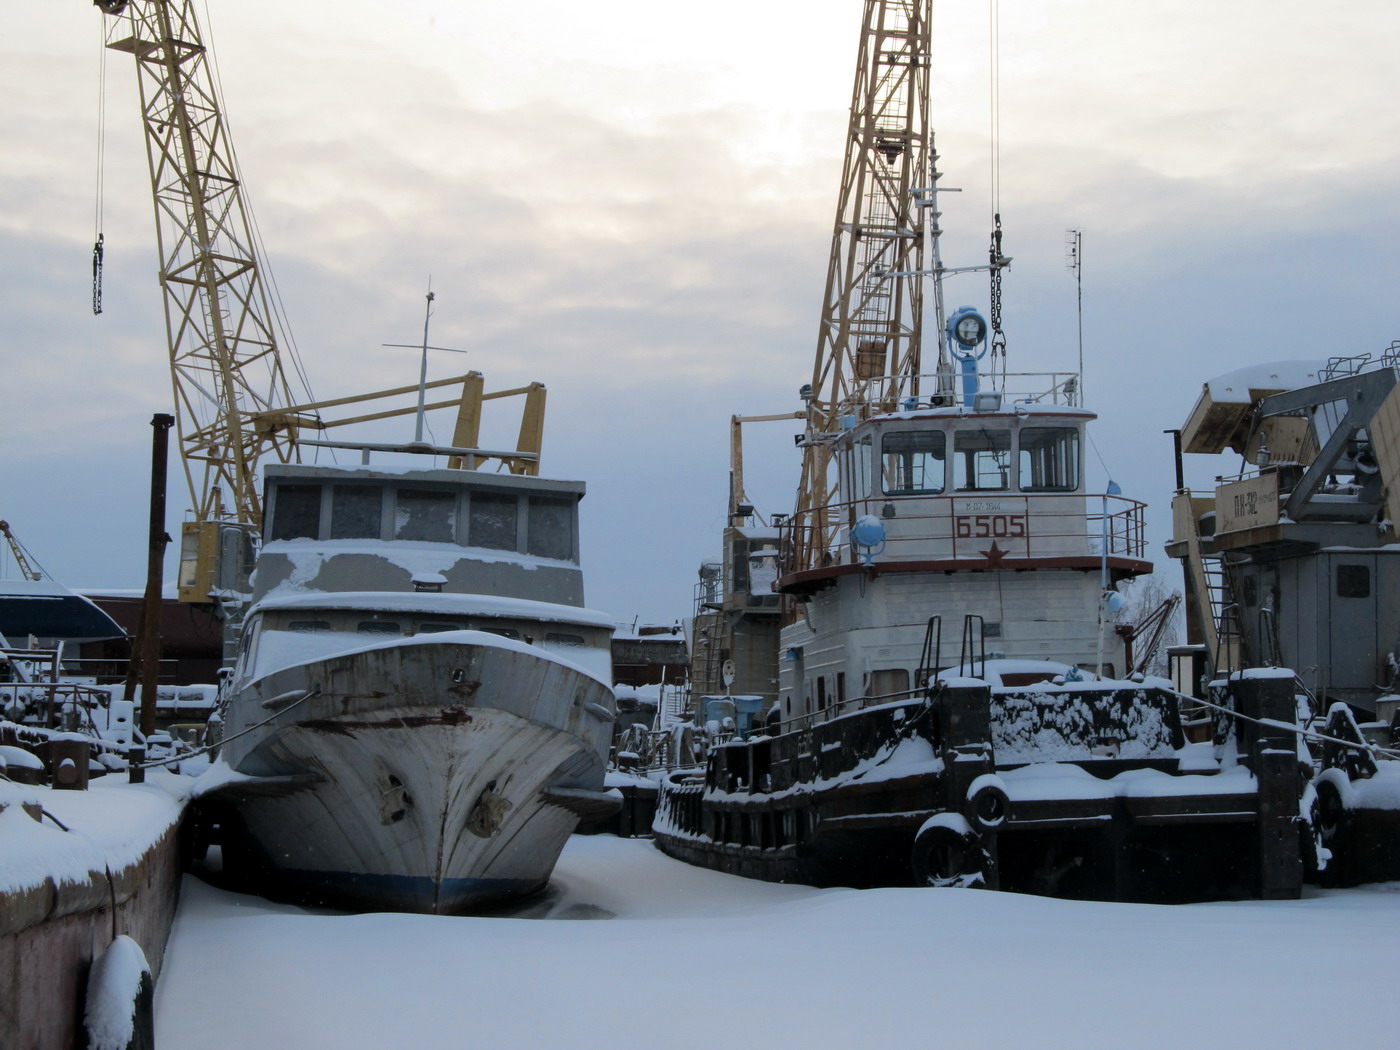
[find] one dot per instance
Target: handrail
(1030, 524)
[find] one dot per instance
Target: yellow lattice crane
(233, 402)
(868, 346)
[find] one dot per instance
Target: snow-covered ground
(680, 957)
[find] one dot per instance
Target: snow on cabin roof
(429, 603)
(413, 472)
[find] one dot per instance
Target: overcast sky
(633, 203)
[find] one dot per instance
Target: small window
(1049, 459)
(440, 628)
(564, 639)
(493, 521)
(913, 462)
(296, 513)
(355, 511)
(982, 460)
(378, 627)
(504, 632)
(821, 692)
(308, 626)
(889, 683)
(426, 514)
(1353, 581)
(551, 528)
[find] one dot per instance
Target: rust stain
(447, 716)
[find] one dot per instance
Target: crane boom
(868, 346)
(26, 569)
(224, 361)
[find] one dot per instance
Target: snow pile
(111, 825)
(114, 987)
(690, 958)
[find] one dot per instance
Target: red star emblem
(995, 555)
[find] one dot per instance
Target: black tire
(1329, 809)
(987, 808)
(944, 856)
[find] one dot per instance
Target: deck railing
(964, 526)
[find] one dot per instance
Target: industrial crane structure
(230, 389)
(868, 347)
(233, 402)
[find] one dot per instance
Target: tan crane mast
(868, 346)
(233, 404)
(225, 364)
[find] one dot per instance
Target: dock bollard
(69, 762)
(135, 765)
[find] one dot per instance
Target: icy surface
(697, 959)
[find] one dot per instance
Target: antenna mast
(1074, 259)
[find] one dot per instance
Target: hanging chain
(996, 262)
(110, 8)
(97, 275)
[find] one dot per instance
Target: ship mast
(868, 345)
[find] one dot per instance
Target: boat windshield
(913, 462)
(982, 459)
(1049, 459)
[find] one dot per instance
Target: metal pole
(155, 565)
(423, 371)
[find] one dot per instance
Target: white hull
(428, 775)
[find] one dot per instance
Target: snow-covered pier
(78, 870)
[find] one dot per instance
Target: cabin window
(247, 646)
(821, 692)
(378, 627)
(982, 459)
(439, 628)
(504, 632)
(1353, 581)
(296, 512)
(564, 639)
(913, 462)
(308, 626)
(355, 512)
(426, 514)
(551, 531)
(1049, 460)
(493, 521)
(888, 683)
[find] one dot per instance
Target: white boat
(420, 709)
